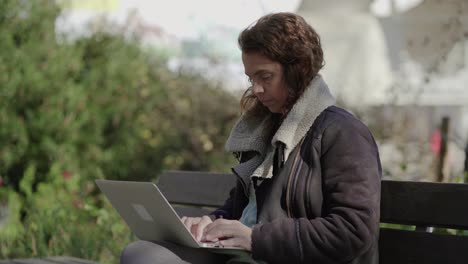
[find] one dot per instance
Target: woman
(309, 173)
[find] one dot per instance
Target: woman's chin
(274, 110)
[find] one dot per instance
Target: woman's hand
(196, 225)
(230, 233)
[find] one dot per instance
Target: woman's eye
(266, 77)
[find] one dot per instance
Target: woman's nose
(257, 89)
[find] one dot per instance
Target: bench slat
(412, 247)
(425, 204)
(192, 211)
(196, 188)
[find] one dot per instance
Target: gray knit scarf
(250, 133)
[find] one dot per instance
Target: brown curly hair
(288, 39)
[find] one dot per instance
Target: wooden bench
(417, 205)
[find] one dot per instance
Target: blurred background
(122, 89)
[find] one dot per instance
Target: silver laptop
(148, 213)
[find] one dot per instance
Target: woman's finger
(220, 231)
(231, 233)
(190, 221)
(205, 221)
(232, 242)
(216, 223)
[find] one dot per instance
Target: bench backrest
(424, 205)
(195, 193)
(420, 205)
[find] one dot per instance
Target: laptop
(149, 215)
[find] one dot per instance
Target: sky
(181, 18)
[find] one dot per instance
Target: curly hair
(288, 39)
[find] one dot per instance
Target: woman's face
(266, 78)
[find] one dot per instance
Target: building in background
(406, 61)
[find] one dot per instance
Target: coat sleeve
(226, 211)
(348, 227)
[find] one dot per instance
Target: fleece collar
(254, 132)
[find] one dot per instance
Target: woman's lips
(267, 102)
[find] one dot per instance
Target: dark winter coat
(322, 205)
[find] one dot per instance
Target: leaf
(28, 180)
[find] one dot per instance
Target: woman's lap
(144, 252)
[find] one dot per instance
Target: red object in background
(66, 175)
(436, 142)
(1, 181)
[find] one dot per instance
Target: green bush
(98, 107)
(63, 218)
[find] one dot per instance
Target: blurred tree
(101, 106)
(97, 107)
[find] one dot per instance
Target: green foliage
(63, 218)
(99, 107)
